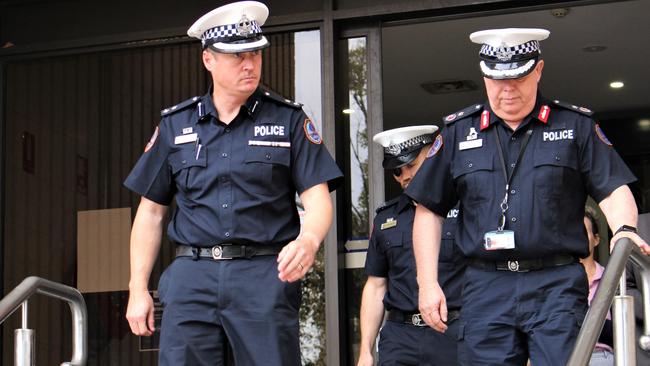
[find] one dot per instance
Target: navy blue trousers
(208, 304)
(508, 317)
(403, 344)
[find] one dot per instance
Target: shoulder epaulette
(387, 204)
(179, 106)
(278, 98)
(575, 108)
(462, 113)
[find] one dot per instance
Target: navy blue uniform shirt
(390, 255)
(567, 158)
(234, 182)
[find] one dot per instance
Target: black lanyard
(506, 176)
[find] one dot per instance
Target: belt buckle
(217, 253)
(416, 319)
(513, 266)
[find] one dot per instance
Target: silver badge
(472, 134)
(504, 54)
(244, 27)
(513, 266)
(394, 149)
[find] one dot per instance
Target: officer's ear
(538, 69)
(208, 59)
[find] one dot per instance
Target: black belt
(226, 251)
(525, 265)
(415, 318)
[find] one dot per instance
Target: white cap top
(397, 136)
(508, 37)
(235, 27)
(402, 145)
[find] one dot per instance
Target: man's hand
(365, 359)
(297, 257)
(139, 313)
(433, 307)
(636, 239)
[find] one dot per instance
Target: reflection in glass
(356, 113)
(307, 90)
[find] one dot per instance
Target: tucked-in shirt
(567, 158)
(234, 182)
(390, 255)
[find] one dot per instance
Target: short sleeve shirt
(567, 158)
(233, 182)
(390, 255)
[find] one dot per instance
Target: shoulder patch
(179, 106)
(462, 113)
(436, 146)
(387, 204)
(311, 132)
(280, 99)
(601, 135)
(576, 108)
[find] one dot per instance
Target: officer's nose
(247, 63)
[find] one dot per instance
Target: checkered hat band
(521, 49)
(396, 149)
(228, 32)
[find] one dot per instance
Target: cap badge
(244, 26)
(394, 149)
(504, 54)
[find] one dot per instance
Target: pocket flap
(268, 155)
(473, 163)
(186, 158)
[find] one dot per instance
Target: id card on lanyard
(500, 239)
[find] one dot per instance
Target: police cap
(402, 145)
(232, 28)
(509, 53)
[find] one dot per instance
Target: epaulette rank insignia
(278, 98)
(462, 113)
(179, 106)
(582, 110)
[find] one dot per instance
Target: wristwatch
(626, 228)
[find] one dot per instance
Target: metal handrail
(595, 318)
(33, 285)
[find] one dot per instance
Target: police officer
(521, 167)
(233, 161)
(405, 338)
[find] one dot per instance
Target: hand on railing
(636, 239)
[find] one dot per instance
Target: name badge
(498, 240)
(471, 144)
(184, 139)
(391, 222)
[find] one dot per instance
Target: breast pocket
(267, 169)
(447, 246)
(474, 176)
(555, 169)
(188, 169)
(398, 244)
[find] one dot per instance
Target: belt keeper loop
(195, 253)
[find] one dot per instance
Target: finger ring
(301, 267)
